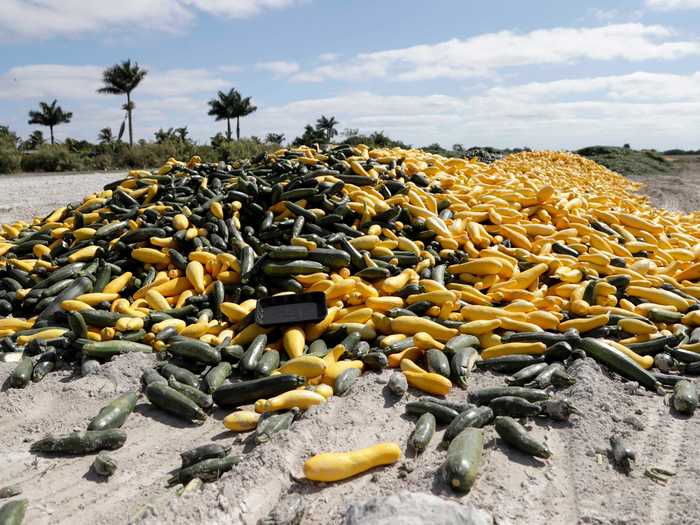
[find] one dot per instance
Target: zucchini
(209, 451)
(150, 375)
(287, 269)
(461, 365)
(183, 375)
(345, 380)
(12, 512)
(423, 433)
(438, 362)
(484, 396)
(685, 397)
(442, 413)
(619, 362)
(174, 402)
(104, 465)
(79, 443)
(206, 470)
(246, 392)
(114, 414)
(109, 349)
(514, 407)
(476, 417)
(272, 424)
(41, 369)
(527, 374)
(516, 436)
(623, 456)
(22, 373)
(457, 406)
(397, 385)
(203, 400)
(508, 364)
(330, 257)
(269, 362)
(251, 357)
(464, 459)
(375, 361)
(195, 350)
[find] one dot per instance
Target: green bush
(52, 158)
(10, 160)
(241, 149)
(103, 161)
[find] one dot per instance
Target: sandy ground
(576, 485)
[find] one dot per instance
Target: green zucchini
(114, 414)
(272, 424)
(217, 376)
(438, 362)
(83, 442)
(195, 350)
(375, 361)
(206, 470)
(332, 258)
(251, 357)
(442, 413)
(149, 375)
(345, 380)
(246, 392)
(77, 324)
(423, 433)
(104, 465)
(397, 385)
(181, 374)
(22, 373)
(202, 399)
(174, 402)
(457, 406)
(623, 456)
(464, 459)
(286, 252)
(108, 349)
(618, 362)
(461, 365)
(297, 267)
(685, 397)
(484, 396)
(508, 364)
(513, 406)
(515, 435)
(12, 512)
(527, 374)
(209, 451)
(476, 417)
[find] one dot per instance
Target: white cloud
(230, 69)
(278, 68)
(47, 18)
(79, 82)
(671, 5)
(642, 108)
(327, 57)
(479, 55)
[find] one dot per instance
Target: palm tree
(327, 125)
(164, 135)
(34, 141)
(105, 136)
(231, 105)
(274, 138)
(181, 134)
(50, 115)
(122, 79)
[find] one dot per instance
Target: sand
(578, 484)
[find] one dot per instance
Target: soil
(578, 484)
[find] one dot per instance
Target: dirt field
(576, 485)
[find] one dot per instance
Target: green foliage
(35, 140)
(327, 126)
(50, 115)
(241, 149)
(227, 106)
(274, 138)
(52, 157)
(627, 161)
(10, 158)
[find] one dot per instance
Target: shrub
(52, 158)
(241, 149)
(10, 160)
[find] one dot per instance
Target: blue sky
(546, 74)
